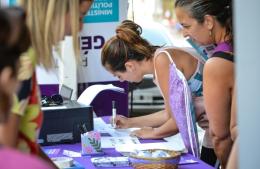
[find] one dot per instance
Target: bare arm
(9, 130)
(233, 120)
(151, 120)
(233, 158)
(217, 86)
(169, 127)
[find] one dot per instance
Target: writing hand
(121, 121)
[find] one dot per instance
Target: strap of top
(224, 55)
(155, 55)
(189, 50)
(224, 50)
(163, 51)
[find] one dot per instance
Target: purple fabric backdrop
(102, 104)
(49, 89)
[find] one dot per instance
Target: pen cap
(113, 104)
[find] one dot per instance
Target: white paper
(100, 125)
(175, 140)
(111, 142)
(90, 93)
(145, 146)
(119, 132)
(71, 153)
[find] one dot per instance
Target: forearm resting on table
(167, 129)
(152, 120)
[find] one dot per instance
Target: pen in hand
(113, 114)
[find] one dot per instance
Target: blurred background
(157, 11)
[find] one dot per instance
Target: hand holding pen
(121, 122)
(118, 121)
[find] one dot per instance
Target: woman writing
(129, 57)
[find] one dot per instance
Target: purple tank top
(224, 50)
(223, 47)
(182, 110)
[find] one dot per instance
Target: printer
(63, 123)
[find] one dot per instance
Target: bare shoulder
(162, 65)
(218, 68)
(161, 60)
(218, 65)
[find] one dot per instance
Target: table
(86, 162)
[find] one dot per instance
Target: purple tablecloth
(57, 151)
(85, 160)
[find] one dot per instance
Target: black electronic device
(62, 124)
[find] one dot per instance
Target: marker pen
(113, 114)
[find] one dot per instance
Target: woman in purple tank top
(210, 22)
(129, 57)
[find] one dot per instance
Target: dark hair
(221, 9)
(11, 20)
(14, 40)
(126, 45)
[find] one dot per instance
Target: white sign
(101, 22)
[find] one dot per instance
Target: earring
(210, 33)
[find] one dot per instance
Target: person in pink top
(14, 40)
(11, 159)
(47, 27)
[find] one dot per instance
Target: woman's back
(219, 82)
(173, 68)
(187, 61)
